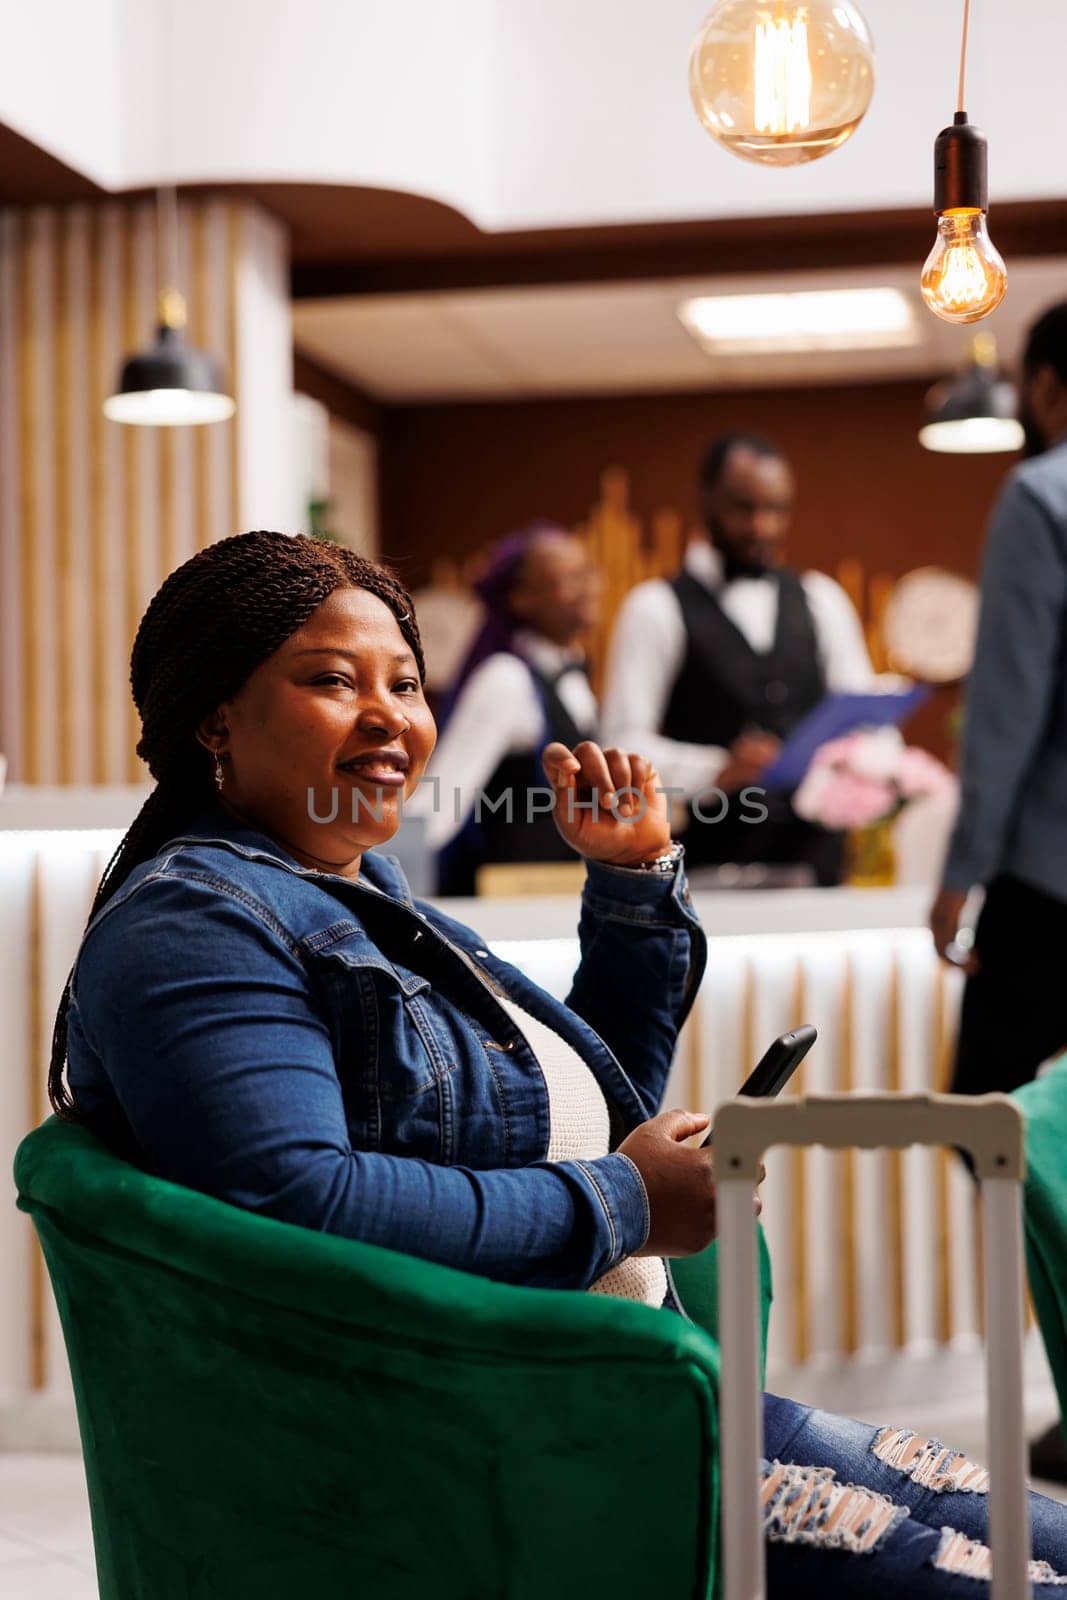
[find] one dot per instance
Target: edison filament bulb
(782, 82)
(964, 278)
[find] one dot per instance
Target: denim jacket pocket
(393, 1062)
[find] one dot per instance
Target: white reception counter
(874, 1253)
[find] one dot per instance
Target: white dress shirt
(648, 648)
(499, 713)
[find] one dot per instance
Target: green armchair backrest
(1044, 1105)
(268, 1413)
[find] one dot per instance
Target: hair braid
(207, 628)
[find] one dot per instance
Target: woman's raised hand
(610, 804)
(679, 1180)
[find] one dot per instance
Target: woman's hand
(679, 1180)
(629, 824)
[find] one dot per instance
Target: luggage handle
(990, 1128)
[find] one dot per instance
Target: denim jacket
(333, 1054)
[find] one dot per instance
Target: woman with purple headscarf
(523, 683)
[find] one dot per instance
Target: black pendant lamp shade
(170, 384)
(975, 412)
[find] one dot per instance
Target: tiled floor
(46, 1550)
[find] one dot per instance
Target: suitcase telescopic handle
(990, 1129)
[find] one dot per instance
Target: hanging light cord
(167, 235)
(963, 54)
(168, 245)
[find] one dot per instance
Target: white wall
(338, 463)
(540, 114)
(61, 80)
(264, 351)
(388, 93)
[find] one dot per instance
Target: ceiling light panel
(823, 319)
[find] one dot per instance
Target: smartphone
(774, 1070)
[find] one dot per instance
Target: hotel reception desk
(874, 1253)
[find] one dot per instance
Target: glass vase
(870, 856)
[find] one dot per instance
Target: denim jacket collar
(382, 872)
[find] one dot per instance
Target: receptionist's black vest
(529, 837)
(524, 834)
(724, 687)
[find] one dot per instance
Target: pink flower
(835, 752)
(876, 754)
(841, 799)
(865, 777)
(922, 774)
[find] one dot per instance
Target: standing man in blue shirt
(1011, 833)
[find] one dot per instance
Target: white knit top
(578, 1130)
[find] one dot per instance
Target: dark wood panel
(341, 398)
(30, 176)
(455, 476)
(665, 250)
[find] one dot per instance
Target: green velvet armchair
(1044, 1105)
(268, 1413)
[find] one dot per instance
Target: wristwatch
(665, 862)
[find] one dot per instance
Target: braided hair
(206, 630)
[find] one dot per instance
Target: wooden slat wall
(93, 515)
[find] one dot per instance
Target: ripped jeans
(851, 1510)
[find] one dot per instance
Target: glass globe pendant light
(170, 384)
(782, 81)
(964, 277)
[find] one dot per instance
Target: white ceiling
(561, 113)
(621, 338)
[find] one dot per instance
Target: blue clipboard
(832, 718)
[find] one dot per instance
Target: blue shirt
(330, 1053)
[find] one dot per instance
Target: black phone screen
(774, 1069)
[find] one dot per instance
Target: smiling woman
(259, 1011)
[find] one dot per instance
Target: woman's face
(558, 592)
(328, 736)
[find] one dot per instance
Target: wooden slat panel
(93, 514)
(12, 556)
(113, 445)
(234, 245)
(64, 400)
(97, 388)
(134, 335)
(29, 406)
(201, 335)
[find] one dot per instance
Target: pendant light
(782, 81)
(964, 277)
(170, 384)
(973, 413)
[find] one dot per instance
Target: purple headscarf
(494, 589)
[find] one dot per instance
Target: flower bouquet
(861, 783)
